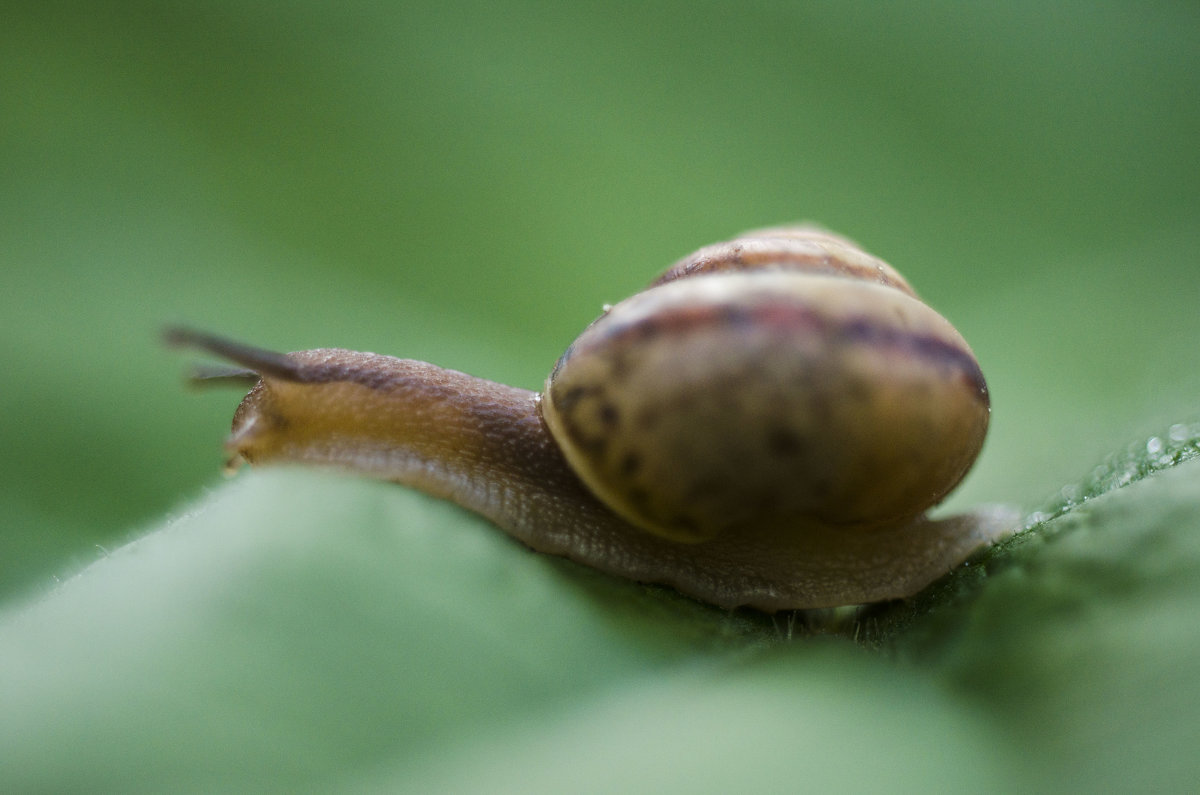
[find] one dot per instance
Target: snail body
(765, 425)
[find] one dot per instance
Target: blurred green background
(468, 183)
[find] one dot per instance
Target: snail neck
(481, 444)
(478, 443)
(453, 435)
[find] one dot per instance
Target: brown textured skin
(861, 539)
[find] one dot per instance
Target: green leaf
(1082, 645)
(300, 629)
(468, 183)
(299, 626)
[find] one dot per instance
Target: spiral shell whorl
(800, 249)
(823, 395)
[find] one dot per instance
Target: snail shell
(765, 425)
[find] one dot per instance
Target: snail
(765, 425)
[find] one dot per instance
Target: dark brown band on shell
(861, 330)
